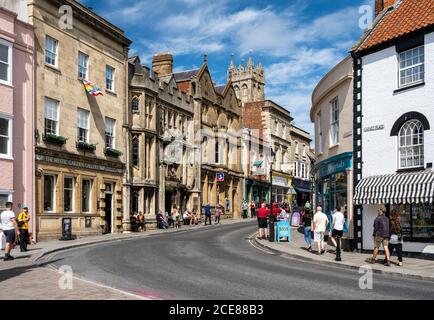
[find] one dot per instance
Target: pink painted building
(16, 113)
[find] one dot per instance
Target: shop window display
(417, 221)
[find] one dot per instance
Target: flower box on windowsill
(86, 146)
(55, 139)
(112, 152)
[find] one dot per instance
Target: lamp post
(271, 219)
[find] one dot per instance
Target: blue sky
(297, 41)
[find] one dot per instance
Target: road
(218, 262)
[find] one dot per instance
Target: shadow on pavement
(12, 272)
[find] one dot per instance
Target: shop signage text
(78, 164)
(280, 181)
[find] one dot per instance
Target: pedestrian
(186, 217)
(307, 223)
(208, 214)
(262, 221)
(194, 219)
(23, 226)
(338, 221)
(319, 225)
(140, 220)
(381, 235)
(244, 208)
(307, 204)
(395, 242)
(161, 222)
(253, 209)
(175, 217)
(217, 213)
(10, 229)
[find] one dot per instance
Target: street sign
(220, 177)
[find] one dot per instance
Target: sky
(297, 41)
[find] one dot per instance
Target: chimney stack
(162, 63)
(380, 5)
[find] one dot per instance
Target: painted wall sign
(280, 181)
(374, 128)
(78, 164)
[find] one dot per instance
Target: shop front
(85, 190)
(282, 189)
(411, 195)
(333, 180)
(303, 191)
(257, 191)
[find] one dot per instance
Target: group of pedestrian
(318, 225)
(218, 212)
(387, 233)
(15, 229)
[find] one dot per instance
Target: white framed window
(109, 78)
(5, 62)
(296, 148)
(68, 194)
(411, 145)
(6, 133)
(5, 196)
(86, 188)
(110, 132)
(411, 66)
(51, 116)
(82, 125)
(320, 138)
(49, 193)
(83, 65)
(334, 122)
(51, 47)
(304, 151)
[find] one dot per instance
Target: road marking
(254, 245)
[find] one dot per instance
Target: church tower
(248, 81)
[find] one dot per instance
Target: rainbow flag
(92, 89)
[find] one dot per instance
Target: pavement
(413, 268)
(31, 275)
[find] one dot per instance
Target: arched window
(244, 91)
(410, 144)
(237, 91)
(135, 104)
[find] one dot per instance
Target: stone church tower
(248, 82)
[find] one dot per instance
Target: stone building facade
(161, 167)
(217, 124)
(274, 126)
(80, 138)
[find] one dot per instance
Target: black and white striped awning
(417, 187)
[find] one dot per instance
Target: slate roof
(185, 75)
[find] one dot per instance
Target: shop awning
(415, 187)
(303, 190)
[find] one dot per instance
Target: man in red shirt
(263, 212)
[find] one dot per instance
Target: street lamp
(271, 219)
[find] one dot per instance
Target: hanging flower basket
(55, 139)
(86, 146)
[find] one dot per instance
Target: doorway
(168, 201)
(108, 200)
